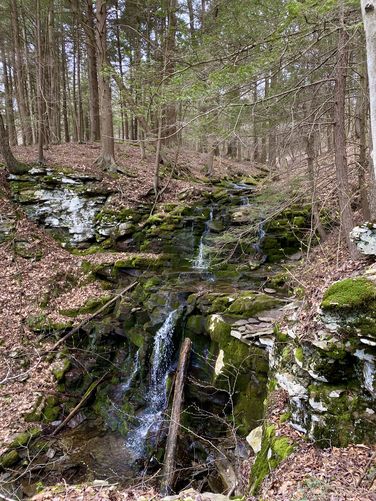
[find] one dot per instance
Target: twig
(371, 459)
(73, 412)
(78, 327)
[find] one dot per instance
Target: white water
(156, 397)
(201, 261)
(136, 365)
(244, 201)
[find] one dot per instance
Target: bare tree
(106, 159)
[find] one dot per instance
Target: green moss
(273, 451)
(299, 221)
(195, 323)
(249, 304)
(350, 293)
(136, 336)
(281, 337)
(51, 410)
(249, 407)
(9, 459)
(90, 306)
(62, 367)
(299, 355)
(218, 329)
(40, 323)
(36, 414)
(284, 417)
(22, 439)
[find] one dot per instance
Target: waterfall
(136, 365)
(156, 397)
(244, 201)
(260, 238)
(201, 261)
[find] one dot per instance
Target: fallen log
(83, 400)
(86, 320)
(168, 470)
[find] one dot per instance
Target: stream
(121, 436)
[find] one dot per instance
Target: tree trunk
(343, 189)
(9, 102)
(106, 160)
(64, 88)
(191, 17)
(40, 66)
(13, 166)
(168, 471)
(369, 19)
(20, 78)
(92, 73)
(361, 136)
(310, 151)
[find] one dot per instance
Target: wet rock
(65, 204)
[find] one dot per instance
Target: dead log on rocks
(168, 470)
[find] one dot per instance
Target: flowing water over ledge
(121, 436)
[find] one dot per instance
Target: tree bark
(92, 73)
(310, 151)
(40, 66)
(369, 19)
(168, 471)
(13, 165)
(106, 160)
(20, 79)
(9, 102)
(343, 189)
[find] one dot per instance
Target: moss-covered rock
(350, 293)
(90, 306)
(274, 449)
(249, 304)
(60, 368)
(9, 459)
(24, 438)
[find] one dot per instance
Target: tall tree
(343, 189)
(106, 160)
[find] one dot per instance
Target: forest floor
(309, 474)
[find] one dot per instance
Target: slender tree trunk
(369, 19)
(310, 151)
(123, 112)
(106, 160)
(92, 73)
(191, 17)
(156, 180)
(9, 102)
(170, 115)
(64, 88)
(343, 189)
(40, 64)
(20, 79)
(361, 137)
(80, 112)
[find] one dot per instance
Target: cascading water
(260, 238)
(136, 366)
(156, 397)
(244, 201)
(201, 261)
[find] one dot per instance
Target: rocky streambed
(209, 271)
